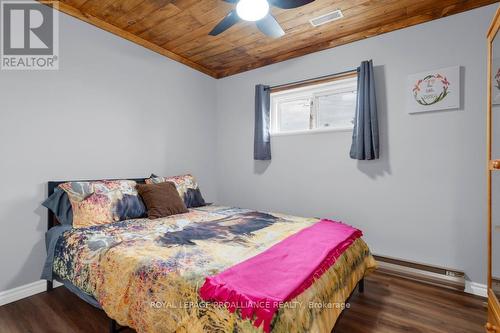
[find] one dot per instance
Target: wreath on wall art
(431, 89)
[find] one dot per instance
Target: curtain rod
(351, 71)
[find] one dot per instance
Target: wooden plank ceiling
(179, 29)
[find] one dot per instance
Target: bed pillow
(161, 199)
(102, 202)
(187, 187)
(58, 202)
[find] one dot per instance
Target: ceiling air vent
(324, 19)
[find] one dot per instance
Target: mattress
(146, 274)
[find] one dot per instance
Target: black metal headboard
(51, 218)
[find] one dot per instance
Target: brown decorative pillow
(161, 199)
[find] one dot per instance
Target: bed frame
(52, 221)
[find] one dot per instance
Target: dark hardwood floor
(389, 305)
(396, 305)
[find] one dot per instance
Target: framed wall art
(434, 90)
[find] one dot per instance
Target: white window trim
(311, 131)
(343, 85)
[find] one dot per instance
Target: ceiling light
(252, 10)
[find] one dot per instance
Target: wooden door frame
(492, 32)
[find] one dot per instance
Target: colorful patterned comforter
(146, 273)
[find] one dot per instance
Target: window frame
(312, 92)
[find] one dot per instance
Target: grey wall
(114, 109)
(424, 200)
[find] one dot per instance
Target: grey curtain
(365, 138)
(262, 139)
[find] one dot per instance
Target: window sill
(315, 131)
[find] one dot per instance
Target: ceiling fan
(257, 11)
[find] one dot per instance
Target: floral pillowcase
(102, 202)
(187, 187)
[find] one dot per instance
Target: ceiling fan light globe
(252, 10)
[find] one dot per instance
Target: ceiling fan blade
(270, 26)
(289, 4)
(226, 23)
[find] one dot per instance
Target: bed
(146, 274)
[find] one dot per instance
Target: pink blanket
(259, 285)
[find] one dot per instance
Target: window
(317, 107)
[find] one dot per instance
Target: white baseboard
(475, 288)
(27, 290)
